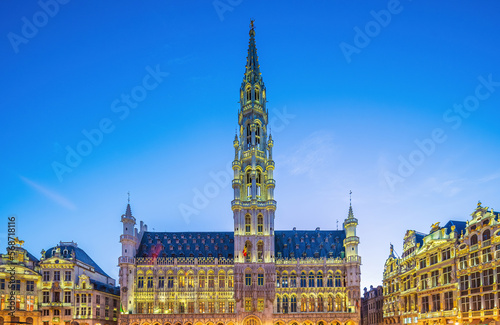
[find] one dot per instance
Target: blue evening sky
(396, 101)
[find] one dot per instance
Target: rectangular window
(476, 303)
(45, 297)
(488, 277)
(434, 259)
(231, 307)
(423, 281)
(474, 259)
(77, 311)
(464, 302)
(56, 312)
(201, 281)
(201, 306)
(46, 276)
(464, 282)
(260, 279)
(447, 275)
(248, 279)
(170, 307)
(98, 299)
(448, 300)
(67, 275)
(463, 262)
(67, 312)
(423, 263)
(446, 254)
(182, 281)
(475, 280)
(435, 278)
(67, 296)
(161, 282)
(106, 301)
(211, 307)
(222, 307)
(248, 304)
(260, 304)
(2, 285)
(181, 308)
(46, 313)
(191, 307)
(57, 275)
(425, 304)
(222, 281)
(230, 281)
(436, 302)
(487, 255)
(211, 283)
(489, 301)
(98, 312)
(30, 285)
(57, 296)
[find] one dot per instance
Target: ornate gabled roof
(67, 251)
(309, 243)
(186, 244)
(459, 226)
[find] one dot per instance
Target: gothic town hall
(254, 275)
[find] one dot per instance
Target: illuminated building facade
(74, 290)
(254, 274)
(24, 270)
(447, 276)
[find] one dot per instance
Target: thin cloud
(51, 195)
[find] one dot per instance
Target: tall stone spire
(252, 67)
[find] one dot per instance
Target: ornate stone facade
(371, 306)
(253, 275)
(447, 276)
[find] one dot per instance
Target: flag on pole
(245, 250)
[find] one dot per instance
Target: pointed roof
(128, 212)
(252, 66)
(350, 215)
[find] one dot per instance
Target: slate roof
(309, 243)
(103, 287)
(288, 244)
(187, 244)
(79, 254)
(459, 226)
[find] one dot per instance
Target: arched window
(311, 279)
(260, 251)
(284, 280)
(260, 224)
(257, 94)
(330, 303)
(320, 303)
(222, 280)
(249, 184)
(338, 303)
(249, 136)
(293, 304)
(303, 304)
(248, 223)
(278, 304)
(311, 303)
(486, 235)
(278, 282)
(258, 182)
(249, 94)
(293, 280)
(319, 280)
(473, 240)
(338, 280)
(257, 135)
(303, 279)
(329, 281)
(285, 304)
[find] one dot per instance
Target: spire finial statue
(350, 194)
(128, 193)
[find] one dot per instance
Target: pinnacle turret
(252, 67)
